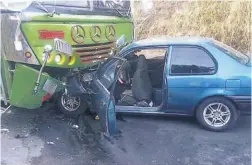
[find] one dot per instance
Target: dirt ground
(45, 137)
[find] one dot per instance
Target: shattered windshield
(114, 7)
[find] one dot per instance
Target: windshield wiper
(110, 3)
(41, 7)
(129, 12)
(54, 10)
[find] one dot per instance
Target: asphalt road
(45, 137)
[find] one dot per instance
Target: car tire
(217, 114)
(76, 105)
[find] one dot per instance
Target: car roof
(158, 41)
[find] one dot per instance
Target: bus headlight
(57, 58)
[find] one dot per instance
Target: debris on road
(75, 126)
(97, 117)
(59, 117)
(21, 136)
(50, 143)
(33, 131)
(3, 130)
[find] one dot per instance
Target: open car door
(102, 99)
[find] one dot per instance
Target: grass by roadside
(227, 21)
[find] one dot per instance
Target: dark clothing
(141, 84)
(125, 74)
(133, 60)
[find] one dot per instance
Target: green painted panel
(23, 84)
(123, 26)
(31, 31)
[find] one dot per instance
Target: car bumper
(243, 104)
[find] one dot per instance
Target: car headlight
(57, 58)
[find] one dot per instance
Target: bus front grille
(93, 52)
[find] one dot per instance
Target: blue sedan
(197, 77)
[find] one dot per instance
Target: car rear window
(238, 56)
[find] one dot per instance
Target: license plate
(50, 86)
(62, 47)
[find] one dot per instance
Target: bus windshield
(94, 7)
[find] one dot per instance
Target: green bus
(45, 41)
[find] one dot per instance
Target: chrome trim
(93, 47)
(110, 32)
(62, 47)
(94, 57)
(95, 33)
(10, 30)
(78, 34)
(94, 53)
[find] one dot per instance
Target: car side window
(152, 53)
(191, 61)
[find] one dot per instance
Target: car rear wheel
(217, 114)
(72, 105)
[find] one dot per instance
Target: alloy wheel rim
(70, 103)
(217, 114)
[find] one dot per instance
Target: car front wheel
(217, 114)
(71, 105)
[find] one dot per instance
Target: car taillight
(46, 34)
